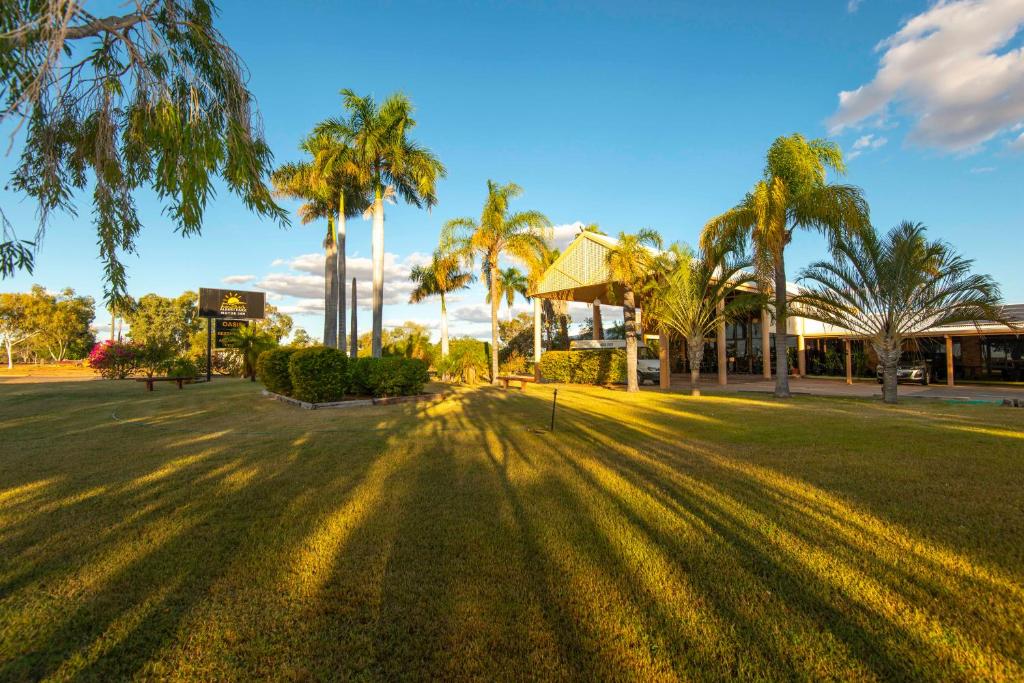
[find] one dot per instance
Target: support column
(664, 362)
(801, 355)
(949, 360)
(849, 361)
(723, 370)
(536, 329)
(766, 343)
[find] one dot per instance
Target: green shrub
(182, 367)
(513, 364)
(556, 366)
(593, 366)
(389, 376)
(318, 374)
(599, 366)
(272, 370)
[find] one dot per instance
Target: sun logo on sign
(232, 303)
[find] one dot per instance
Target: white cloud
(983, 169)
(563, 235)
(238, 279)
(866, 142)
(852, 6)
(307, 279)
(944, 70)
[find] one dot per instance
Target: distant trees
(15, 322)
(172, 320)
(45, 325)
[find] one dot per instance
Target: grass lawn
(211, 533)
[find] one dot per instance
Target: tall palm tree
(333, 165)
(521, 236)
(631, 263)
(439, 277)
(696, 293)
(388, 163)
(889, 288)
(297, 180)
(511, 281)
(330, 189)
(794, 194)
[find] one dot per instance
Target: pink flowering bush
(115, 360)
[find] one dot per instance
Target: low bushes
(272, 369)
(390, 376)
(319, 374)
(592, 366)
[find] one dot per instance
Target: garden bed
(356, 401)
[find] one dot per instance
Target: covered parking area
(580, 274)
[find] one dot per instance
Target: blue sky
(629, 115)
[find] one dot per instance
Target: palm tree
(324, 183)
(889, 288)
(333, 164)
(388, 163)
(439, 277)
(631, 263)
(698, 292)
(511, 281)
(792, 195)
(521, 236)
(249, 342)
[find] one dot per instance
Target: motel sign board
(231, 303)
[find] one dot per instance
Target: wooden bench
(522, 379)
(150, 380)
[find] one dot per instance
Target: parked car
(917, 371)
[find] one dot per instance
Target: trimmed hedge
(272, 369)
(592, 366)
(319, 374)
(389, 376)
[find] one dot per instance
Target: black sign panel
(223, 329)
(232, 304)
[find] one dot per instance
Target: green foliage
(154, 356)
(318, 374)
(154, 99)
(468, 361)
(182, 367)
(158, 318)
(389, 376)
(272, 367)
(521, 236)
(248, 343)
(61, 323)
(593, 366)
(513, 363)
